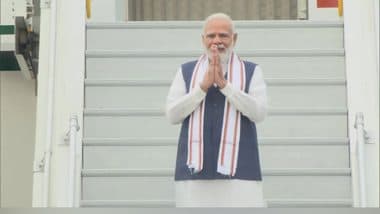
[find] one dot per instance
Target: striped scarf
(230, 136)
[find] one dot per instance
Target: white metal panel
(132, 188)
(284, 203)
(157, 67)
(281, 93)
(163, 156)
(156, 125)
(131, 147)
(290, 184)
(254, 36)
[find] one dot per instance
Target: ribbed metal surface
(296, 64)
(271, 203)
(282, 92)
(129, 146)
(196, 25)
(280, 155)
(140, 184)
(252, 35)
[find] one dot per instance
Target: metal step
(301, 93)
(274, 153)
(270, 202)
(120, 123)
(162, 64)
(105, 184)
(129, 146)
(252, 35)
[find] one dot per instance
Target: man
(218, 99)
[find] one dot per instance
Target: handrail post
(71, 138)
(360, 140)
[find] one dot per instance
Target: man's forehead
(218, 24)
(217, 32)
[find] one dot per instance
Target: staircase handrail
(71, 137)
(358, 155)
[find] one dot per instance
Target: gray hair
(219, 16)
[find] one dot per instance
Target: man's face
(218, 32)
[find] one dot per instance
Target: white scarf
(230, 136)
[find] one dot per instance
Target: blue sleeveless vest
(248, 167)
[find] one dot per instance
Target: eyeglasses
(222, 36)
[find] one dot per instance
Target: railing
(50, 98)
(71, 137)
(358, 151)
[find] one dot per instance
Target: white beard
(224, 57)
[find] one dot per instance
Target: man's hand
(219, 78)
(209, 77)
(214, 74)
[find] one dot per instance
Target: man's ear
(203, 39)
(235, 38)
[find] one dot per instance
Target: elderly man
(218, 98)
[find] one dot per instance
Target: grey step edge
(170, 172)
(174, 141)
(270, 82)
(198, 24)
(160, 112)
(167, 203)
(242, 53)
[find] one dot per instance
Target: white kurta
(219, 193)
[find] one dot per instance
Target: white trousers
(219, 193)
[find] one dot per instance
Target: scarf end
(224, 170)
(194, 170)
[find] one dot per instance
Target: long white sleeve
(252, 104)
(179, 104)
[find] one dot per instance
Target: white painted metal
(362, 73)
(279, 155)
(137, 124)
(296, 64)
(303, 140)
(72, 200)
(285, 93)
(50, 105)
(359, 157)
(252, 35)
(68, 93)
(356, 40)
(298, 203)
(158, 184)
